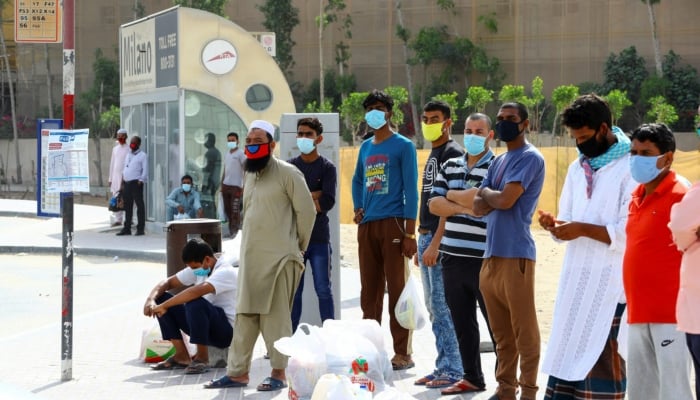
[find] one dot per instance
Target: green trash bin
(180, 232)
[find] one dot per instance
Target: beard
(256, 164)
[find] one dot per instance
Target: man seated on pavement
(205, 310)
(184, 201)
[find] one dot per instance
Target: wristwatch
(409, 235)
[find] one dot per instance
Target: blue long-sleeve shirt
(189, 202)
(385, 183)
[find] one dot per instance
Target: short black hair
(234, 134)
(186, 176)
(312, 123)
(480, 117)
(659, 134)
(196, 250)
(378, 96)
(438, 105)
(137, 138)
(522, 110)
(588, 110)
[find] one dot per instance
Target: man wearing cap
(116, 167)
(279, 217)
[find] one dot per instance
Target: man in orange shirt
(658, 365)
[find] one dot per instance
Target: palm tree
(654, 36)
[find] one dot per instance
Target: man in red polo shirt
(658, 365)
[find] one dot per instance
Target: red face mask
(254, 151)
(121, 140)
(133, 146)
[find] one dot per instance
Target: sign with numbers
(38, 21)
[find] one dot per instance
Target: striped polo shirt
(465, 235)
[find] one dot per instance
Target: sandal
(271, 384)
(196, 367)
(463, 386)
(169, 364)
(400, 362)
(224, 382)
(424, 380)
(441, 381)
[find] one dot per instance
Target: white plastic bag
(410, 310)
(307, 362)
(153, 347)
(179, 217)
(333, 387)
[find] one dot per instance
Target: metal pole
(67, 198)
(67, 288)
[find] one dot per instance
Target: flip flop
(196, 367)
(224, 382)
(271, 384)
(167, 365)
(463, 386)
(424, 380)
(441, 381)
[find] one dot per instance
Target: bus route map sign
(38, 21)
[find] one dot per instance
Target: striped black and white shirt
(465, 235)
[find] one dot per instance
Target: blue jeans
(318, 256)
(448, 360)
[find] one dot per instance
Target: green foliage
(110, 120)
(535, 103)
(213, 6)
(427, 45)
(314, 107)
(626, 72)
(334, 87)
(451, 99)
(511, 93)
(477, 98)
(618, 101)
(562, 96)
(683, 89)
(652, 87)
(589, 88)
(102, 95)
(661, 111)
(351, 108)
(489, 22)
(400, 96)
(281, 17)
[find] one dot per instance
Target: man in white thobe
(116, 166)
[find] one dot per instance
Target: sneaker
(124, 232)
(140, 233)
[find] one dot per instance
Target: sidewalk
(108, 322)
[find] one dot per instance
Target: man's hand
(563, 230)
(158, 311)
(359, 215)
(200, 213)
(546, 219)
(180, 209)
(697, 233)
(148, 307)
(409, 247)
(481, 207)
(430, 256)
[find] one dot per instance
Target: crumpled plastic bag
(410, 309)
(307, 360)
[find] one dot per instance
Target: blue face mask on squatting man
(186, 187)
(200, 272)
(474, 144)
(643, 168)
(375, 119)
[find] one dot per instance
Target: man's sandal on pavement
(463, 386)
(424, 380)
(168, 364)
(399, 362)
(441, 381)
(196, 367)
(271, 384)
(223, 383)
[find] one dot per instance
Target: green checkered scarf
(617, 150)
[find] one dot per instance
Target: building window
(258, 97)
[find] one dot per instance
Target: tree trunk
(409, 79)
(321, 85)
(12, 105)
(655, 40)
(98, 135)
(49, 80)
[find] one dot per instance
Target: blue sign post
(47, 204)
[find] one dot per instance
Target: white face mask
(232, 145)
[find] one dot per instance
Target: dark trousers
(232, 206)
(318, 256)
(694, 347)
(382, 265)
(461, 281)
(205, 323)
(133, 193)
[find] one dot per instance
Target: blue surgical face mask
(305, 145)
(200, 272)
(643, 168)
(186, 187)
(232, 145)
(375, 119)
(474, 144)
(507, 130)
